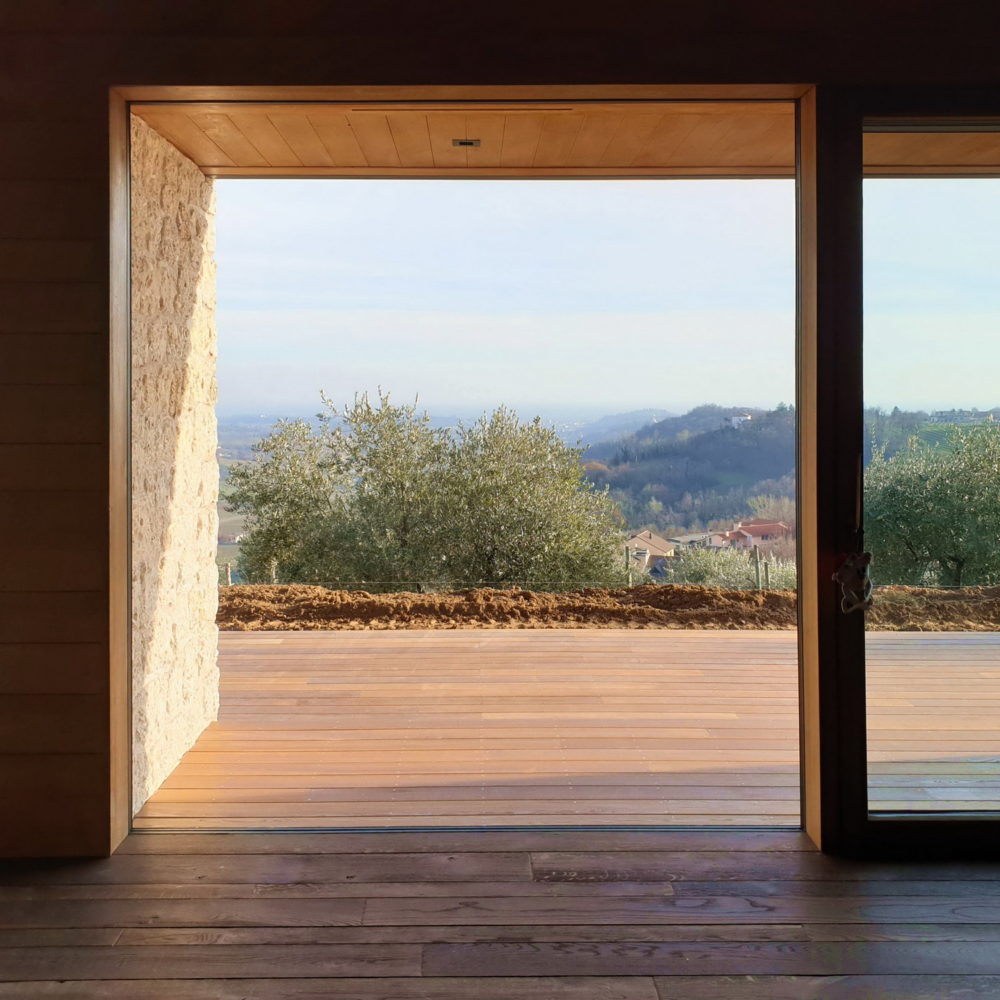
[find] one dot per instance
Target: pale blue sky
(585, 296)
(932, 293)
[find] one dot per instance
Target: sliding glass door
(900, 460)
(931, 224)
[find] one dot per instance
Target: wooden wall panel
(72, 359)
(60, 541)
(59, 210)
(59, 62)
(61, 802)
(35, 724)
(38, 466)
(56, 307)
(53, 483)
(40, 150)
(25, 260)
(27, 668)
(43, 413)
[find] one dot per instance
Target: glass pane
(932, 476)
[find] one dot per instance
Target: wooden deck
(564, 727)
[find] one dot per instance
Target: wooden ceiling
(624, 139)
(932, 154)
(634, 139)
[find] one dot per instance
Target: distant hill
(684, 472)
(612, 427)
(670, 427)
(238, 433)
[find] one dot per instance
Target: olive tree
(932, 513)
(375, 496)
(520, 510)
(290, 496)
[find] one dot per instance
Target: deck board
(474, 728)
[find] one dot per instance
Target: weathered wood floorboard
(569, 915)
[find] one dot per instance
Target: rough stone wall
(175, 477)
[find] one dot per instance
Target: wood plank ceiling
(932, 154)
(631, 139)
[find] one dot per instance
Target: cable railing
(390, 585)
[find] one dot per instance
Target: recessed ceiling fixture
(465, 142)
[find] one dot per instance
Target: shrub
(728, 569)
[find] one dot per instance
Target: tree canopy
(374, 496)
(932, 512)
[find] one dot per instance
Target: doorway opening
(370, 676)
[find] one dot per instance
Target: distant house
(739, 538)
(738, 421)
(649, 550)
(699, 540)
(960, 417)
(760, 530)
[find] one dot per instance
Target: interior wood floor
(565, 727)
(568, 915)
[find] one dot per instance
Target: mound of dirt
(291, 606)
(297, 607)
(916, 609)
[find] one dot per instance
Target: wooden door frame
(119, 476)
(829, 430)
(816, 174)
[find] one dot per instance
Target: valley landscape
(672, 474)
(680, 480)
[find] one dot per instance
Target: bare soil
(916, 609)
(300, 607)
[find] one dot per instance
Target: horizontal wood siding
(53, 475)
(59, 62)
